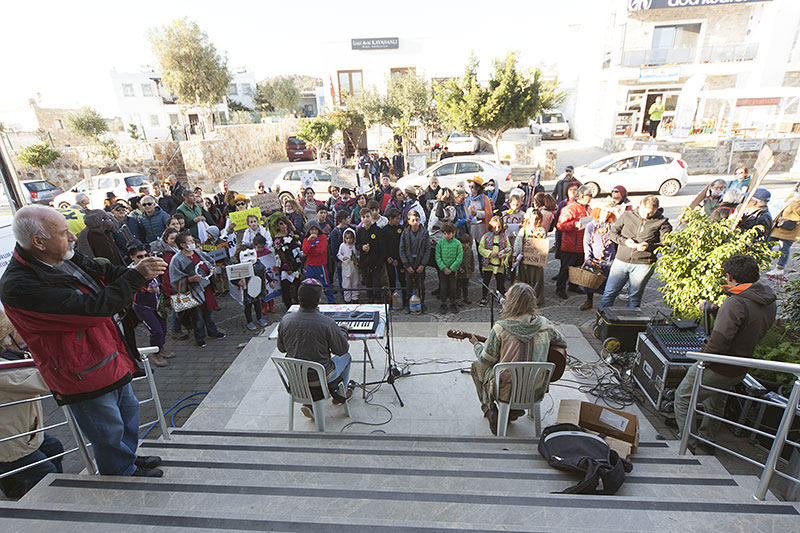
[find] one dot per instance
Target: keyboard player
(311, 336)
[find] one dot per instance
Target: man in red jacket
(63, 305)
(571, 227)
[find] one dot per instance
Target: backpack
(569, 447)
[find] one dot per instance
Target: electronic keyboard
(356, 321)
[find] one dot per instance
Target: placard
(267, 202)
(218, 254)
(535, 251)
(239, 271)
(344, 177)
(239, 218)
(306, 179)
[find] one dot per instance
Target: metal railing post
(687, 425)
(778, 443)
(76, 432)
(151, 382)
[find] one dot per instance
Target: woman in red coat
(571, 228)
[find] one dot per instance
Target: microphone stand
(495, 295)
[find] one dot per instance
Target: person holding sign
(598, 248)
(530, 259)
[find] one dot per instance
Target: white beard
(70, 253)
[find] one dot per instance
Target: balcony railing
(779, 439)
(713, 53)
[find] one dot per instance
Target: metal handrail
(780, 436)
(82, 447)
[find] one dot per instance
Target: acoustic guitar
(556, 354)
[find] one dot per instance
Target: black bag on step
(568, 447)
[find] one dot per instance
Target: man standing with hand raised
(63, 304)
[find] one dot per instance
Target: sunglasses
(614, 191)
(148, 204)
(141, 256)
(240, 203)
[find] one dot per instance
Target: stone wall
(714, 160)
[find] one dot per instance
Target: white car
(455, 171)
(289, 180)
(123, 184)
(639, 171)
(550, 125)
(462, 143)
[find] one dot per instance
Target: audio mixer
(674, 342)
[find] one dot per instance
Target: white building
(145, 101)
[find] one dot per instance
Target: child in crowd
(173, 222)
(415, 248)
(512, 220)
(361, 204)
(494, 249)
(315, 248)
(466, 270)
(181, 220)
(531, 274)
(449, 254)
(253, 229)
(370, 252)
(290, 259)
(377, 218)
(265, 253)
(246, 254)
(348, 256)
(325, 226)
(390, 236)
(145, 305)
(335, 239)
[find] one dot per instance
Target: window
(127, 89)
(154, 120)
(398, 73)
(173, 118)
(232, 91)
(676, 36)
(351, 82)
(468, 167)
(623, 164)
(147, 89)
(106, 183)
(445, 170)
(322, 175)
(84, 185)
(652, 160)
(247, 89)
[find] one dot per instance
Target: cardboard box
(620, 428)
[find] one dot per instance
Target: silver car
(550, 125)
(455, 171)
(640, 171)
(39, 191)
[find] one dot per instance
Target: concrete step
(164, 502)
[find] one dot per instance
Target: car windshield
(548, 118)
(134, 181)
(603, 161)
(39, 186)
(456, 134)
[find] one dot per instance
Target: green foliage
(190, 65)
(511, 99)
(791, 303)
(350, 122)
(242, 117)
(305, 83)
(277, 93)
(781, 343)
(691, 260)
(409, 99)
(87, 123)
(133, 131)
(108, 149)
(373, 107)
(38, 155)
(233, 106)
(318, 132)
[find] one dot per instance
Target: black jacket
(390, 240)
(741, 322)
(761, 220)
(374, 258)
(631, 226)
(167, 204)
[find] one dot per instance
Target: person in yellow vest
(655, 112)
(74, 219)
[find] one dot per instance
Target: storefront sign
(659, 74)
(381, 43)
(752, 102)
(644, 5)
(747, 145)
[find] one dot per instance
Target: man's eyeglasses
(148, 204)
(140, 256)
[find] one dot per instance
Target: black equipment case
(617, 327)
(656, 375)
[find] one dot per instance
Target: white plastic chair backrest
(529, 381)
(295, 375)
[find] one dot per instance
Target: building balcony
(718, 53)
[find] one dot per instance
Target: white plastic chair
(524, 391)
(294, 374)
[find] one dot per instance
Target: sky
(65, 50)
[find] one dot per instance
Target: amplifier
(674, 342)
(656, 375)
(617, 327)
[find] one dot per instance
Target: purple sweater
(598, 246)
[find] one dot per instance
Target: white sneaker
(776, 272)
(623, 297)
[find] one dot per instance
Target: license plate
(298, 153)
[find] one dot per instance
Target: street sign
(748, 145)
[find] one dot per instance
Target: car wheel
(285, 195)
(669, 188)
(595, 189)
(63, 205)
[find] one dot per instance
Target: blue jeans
(784, 246)
(341, 367)
(17, 485)
(111, 423)
(620, 274)
(203, 320)
(176, 323)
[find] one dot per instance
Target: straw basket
(585, 278)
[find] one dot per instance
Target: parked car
(462, 143)
(457, 170)
(123, 184)
(289, 180)
(39, 191)
(640, 171)
(550, 125)
(296, 150)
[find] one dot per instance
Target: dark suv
(296, 150)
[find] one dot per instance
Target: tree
(277, 93)
(233, 105)
(410, 100)
(511, 99)
(38, 156)
(690, 264)
(318, 132)
(87, 123)
(305, 83)
(350, 123)
(190, 65)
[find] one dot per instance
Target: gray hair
(583, 190)
(29, 223)
(147, 197)
(82, 197)
(732, 196)
(461, 193)
(716, 182)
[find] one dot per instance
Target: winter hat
(762, 195)
(309, 293)
(569, 167)
(213, 232)
(622, 190)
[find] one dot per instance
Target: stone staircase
(281, 481)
